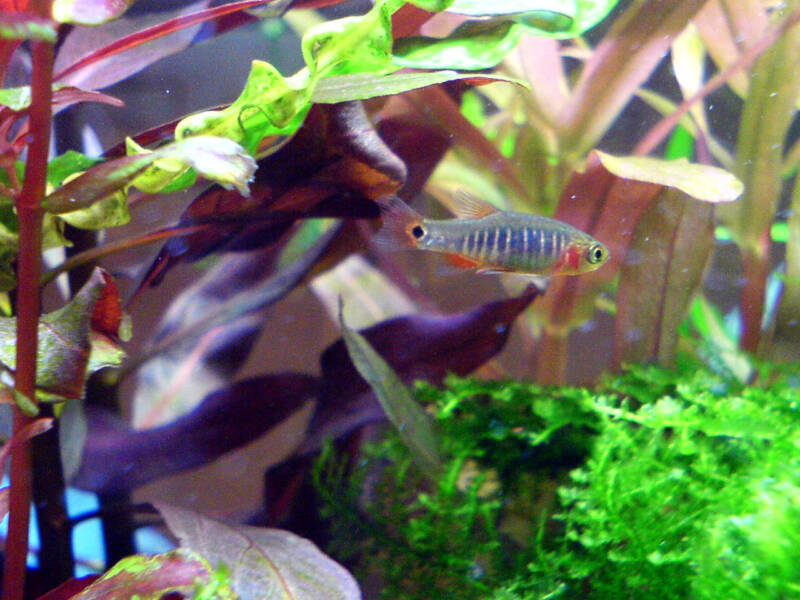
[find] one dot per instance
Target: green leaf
(560, 19)
(140, 577)
(67, 164)
(111, 211)
(343, 88)
(702, 182)
(472, 46)
(263, 563)
(268, 105)
(25, 26)
(414, 426)
(66, 336)
(17, 98)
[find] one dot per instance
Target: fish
(489, 240)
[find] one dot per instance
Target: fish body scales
(507, 241)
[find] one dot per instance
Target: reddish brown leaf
(661, 272)
(334, 162)
(609, 208)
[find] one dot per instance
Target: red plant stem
(755, 272)
(29, 269)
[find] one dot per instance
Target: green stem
(28, 272)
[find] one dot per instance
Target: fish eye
(417, 231)
(596, 253)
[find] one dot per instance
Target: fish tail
(401, 223)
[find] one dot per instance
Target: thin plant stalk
(29, 269)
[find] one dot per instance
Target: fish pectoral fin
(461, 262)
(493, 271)
(466, 206)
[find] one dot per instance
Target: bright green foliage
(684, 484)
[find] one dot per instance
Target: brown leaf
(661, 272)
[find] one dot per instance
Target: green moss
(659, 484)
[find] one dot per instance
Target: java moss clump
(659, 484)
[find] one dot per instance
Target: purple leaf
(118, 458)
(420, 346)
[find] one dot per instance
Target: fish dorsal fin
(468, 206)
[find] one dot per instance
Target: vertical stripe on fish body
(498, 240)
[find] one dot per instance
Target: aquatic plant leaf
(217, 159)
(263, 563)
(412, 423)
(361, 86)
(473, 46)
(420, 346)
(141, 577)
(659, 276)
(118, 458)
(701, 182)
(767, 115)
(618, 66)
(560, 19)
(726, 28)
(89, 12)
(69, 163)
(66, 338)
(609, 209)
(97, 57)
(26, 26)
(210, 328)
(333, 167)
(68, 589)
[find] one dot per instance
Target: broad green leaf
(361, 86)
(69, 163)
(25, 26)
(721, 343)
(65, 338)
(432, 5)
(560, 19)
(89, 12)
(111, 211)
(268, 105)
(16, 98)
(263, 563)
(141, 577)
(702, 182)
(414, 426)
(473, 46)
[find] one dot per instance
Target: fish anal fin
(468, 206)
(461, 262)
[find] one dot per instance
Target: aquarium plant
(524, 104)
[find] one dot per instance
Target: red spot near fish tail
(461, 262)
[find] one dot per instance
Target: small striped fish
(494, 241)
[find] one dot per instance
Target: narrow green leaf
(702, 182)
(414, 426)
(362, 86)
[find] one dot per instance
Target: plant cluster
(658, 484)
